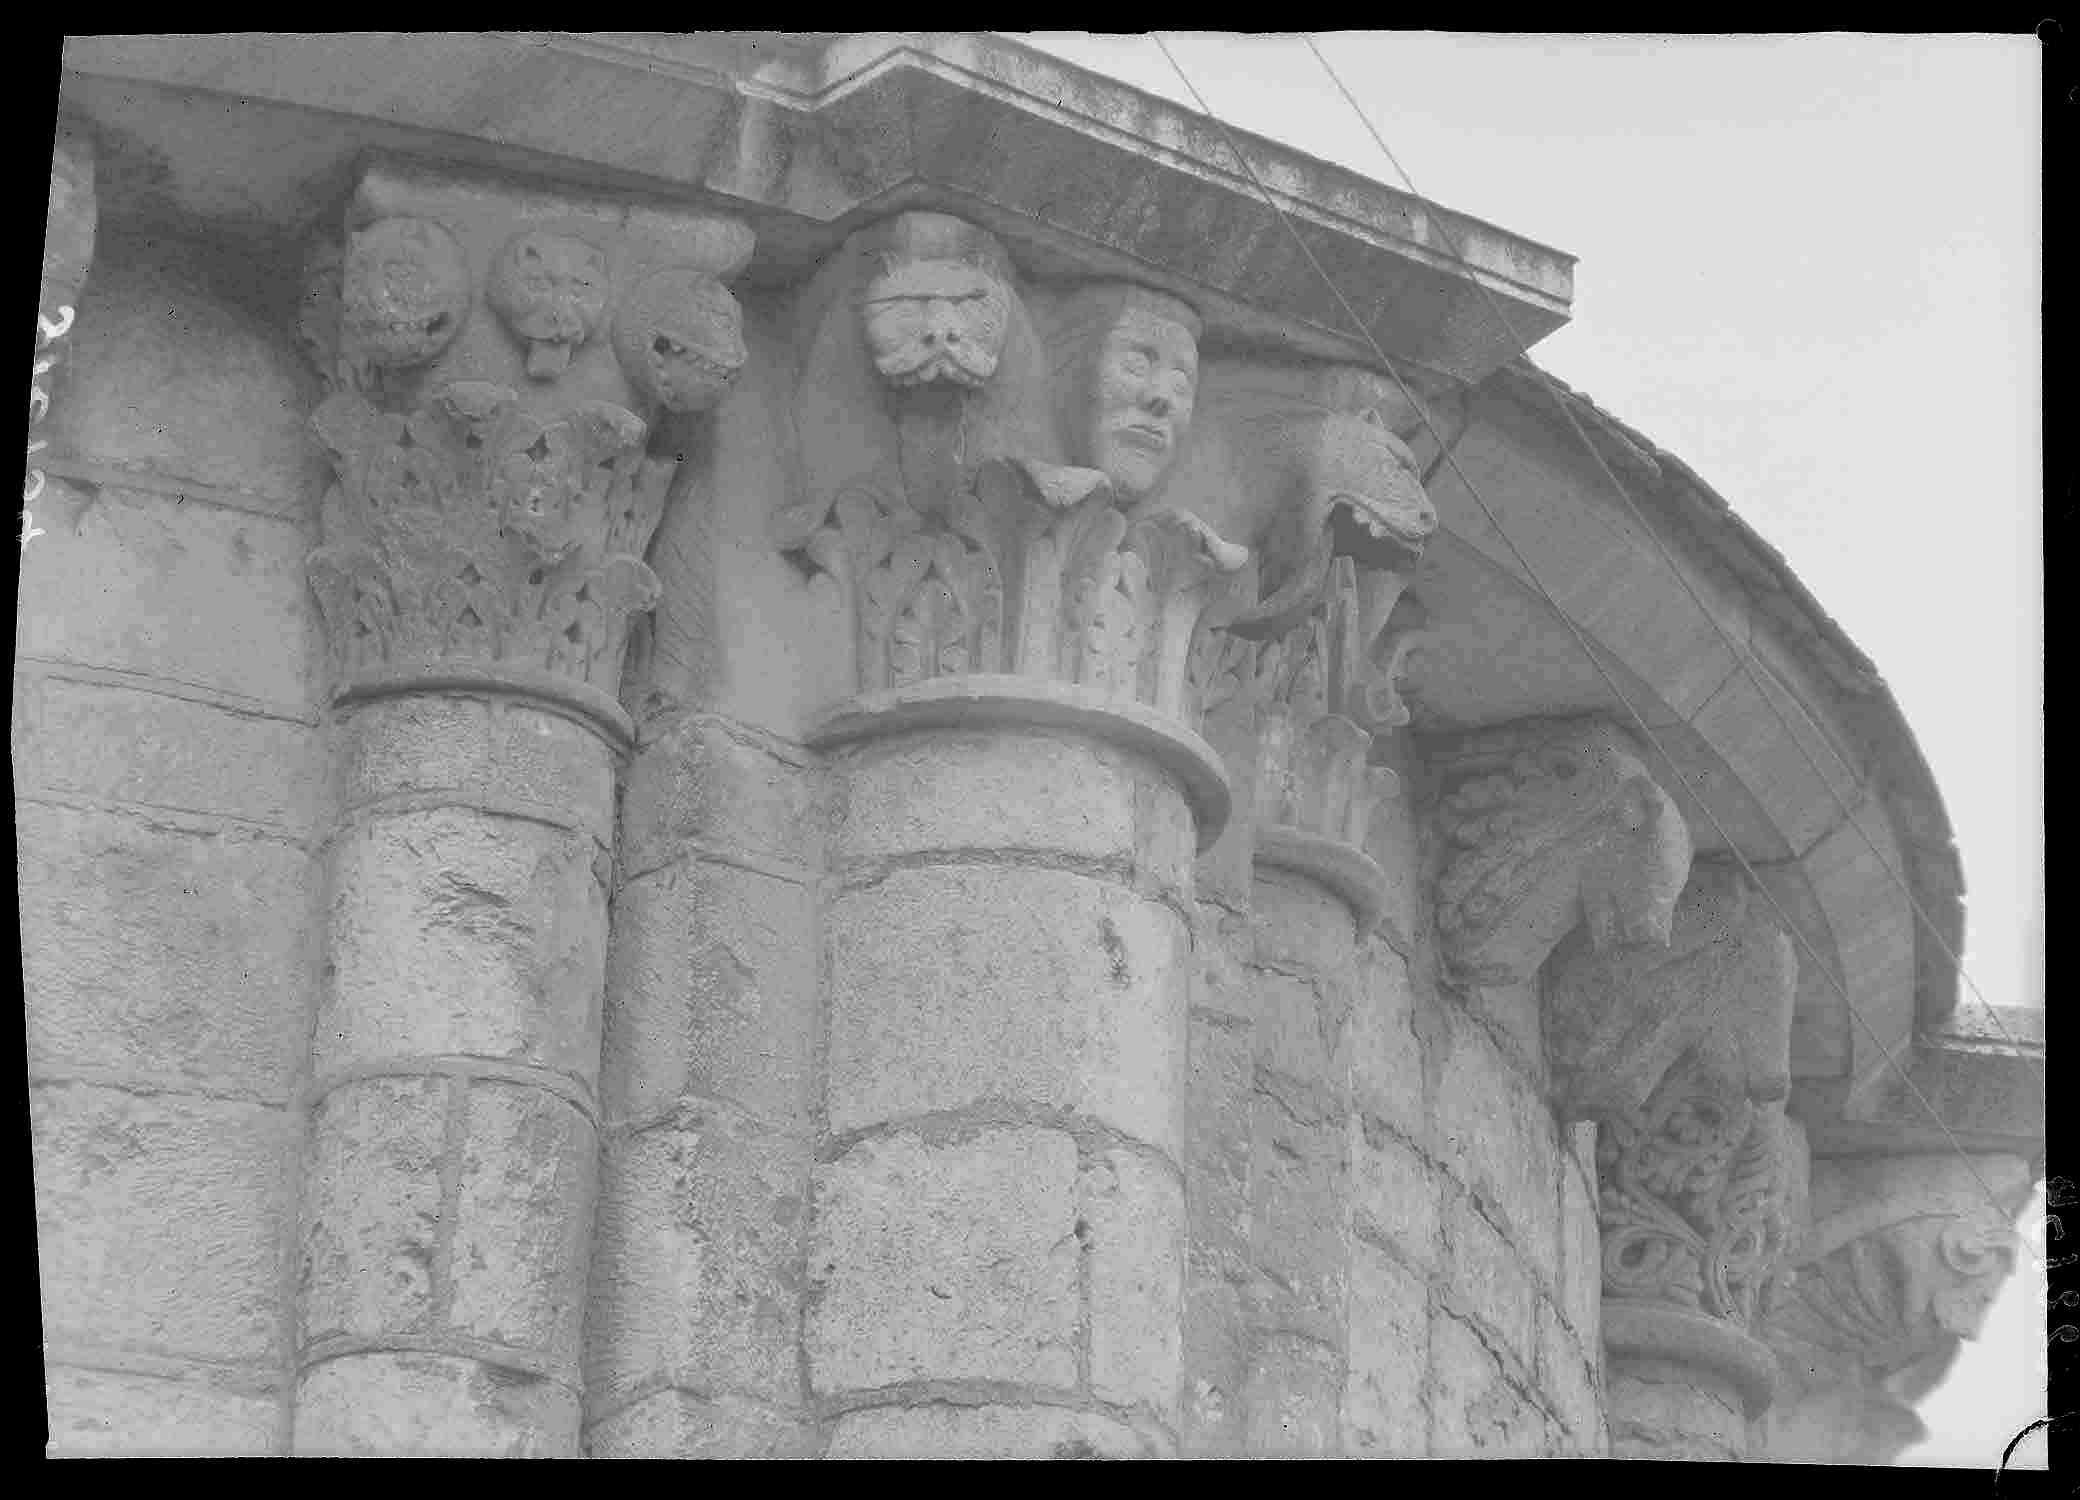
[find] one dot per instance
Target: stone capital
(514, 374)
(1900, 1262)
(1548, 824)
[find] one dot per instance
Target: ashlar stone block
(954, 986)
(946, 1262)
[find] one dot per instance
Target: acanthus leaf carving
(473, 529)
(496, 481)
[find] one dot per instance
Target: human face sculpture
(1145, 374)
(931, 322)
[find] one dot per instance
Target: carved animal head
(551, 291)
(1127, 375)
(1617, 1014)
(404, 293)
(679, 336)
(938, 308)
(1564, 826)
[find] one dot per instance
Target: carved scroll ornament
(1902, 1261)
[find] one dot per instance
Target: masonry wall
(1392, 1248)
(168, 788)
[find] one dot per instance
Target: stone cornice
(809, 139)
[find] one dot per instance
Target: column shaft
(997, 1233)
(452, 1121)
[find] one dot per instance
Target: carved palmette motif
(1314, 689)
(471, 529)
(1695, 1198)
(1020, 570)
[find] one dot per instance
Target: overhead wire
(1581, 639)
(1742, 658)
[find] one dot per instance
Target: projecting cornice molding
(808, 138)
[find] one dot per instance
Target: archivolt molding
(512, 381)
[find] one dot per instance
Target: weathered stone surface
(373, 1207)
(208, 596)
(1393, 1193)
(1133, 1227)
(1299, 1185)
(1217, 1139)
(1292, 1399)
(431, 1406)
(952, 986)
(987, 790)
(1384, 1415)
(523, 1221)
(1664, 1410)
(712, 982)
(677, 1424)
(1487, 1280)
(1581, 1241)
(108, 1412)
(938, 1430)
(1299, 1028)
(696, 1265)
(160, 1220)
(151, 951)
(699, 783)
(455, 933)
(124, 745)
(1297, 926)
(1495, 1134)
(946, 1263)
(171, 376)
(1476, 1409)
(1568, 1376)
(494, 751)
(1386, 1061)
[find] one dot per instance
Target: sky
(1810, 266)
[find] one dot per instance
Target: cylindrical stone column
(452, 1127)
(1681, 1384)
(1304, 983)
(996, 1248)
(511, 373)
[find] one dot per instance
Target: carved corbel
(1546, 825)
(500, 468)
(1681, 1054)
(1901, 1261)
(68, 251)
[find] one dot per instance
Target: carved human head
(938, 305)
(1126, 377)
